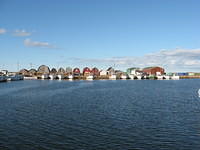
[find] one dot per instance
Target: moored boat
(70, 77)
(123, 77)
(52, 76)
(60, 76)
(45, 76)
(139, 77)
(15, 77)
(90, 77)
(175, 77)
(3, 78)
(132, 77)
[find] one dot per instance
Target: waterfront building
(5, 72)
(24, 72)
(118, 73)
(103, 72)
(69, 70)
(76, 72)
(86, 71)
(154, 71)
(110, 71)
(133, 71)
(61, 71)
(53, 71)
(95, 71)
(43, 69)
(32, 72)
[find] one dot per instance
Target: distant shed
(95, 71)
(154, 70)
(43, 70)
(86, 71)
(61, 71)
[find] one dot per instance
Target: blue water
(100, 115)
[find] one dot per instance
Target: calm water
(100, 115)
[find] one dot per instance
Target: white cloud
(30, 43)
(21, 33)
(2, 31)
(171, 60)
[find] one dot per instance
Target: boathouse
(69, 70)
(24, 72)
(95, 71)
(110, 71)
(53, 71)
(154, 71)
(32, 72)
(133, 71)
(76, 72)
(43, 69)
(86, 71)
(61, 71)
(103, 72)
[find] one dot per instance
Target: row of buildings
(95, 72)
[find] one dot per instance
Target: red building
(95, 71)
(76, 71)
(154, 71)
(86, 71)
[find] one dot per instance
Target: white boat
(113, 77)
(90, 77)
(70, 77)
(124, 77)
(30, 78)
(166, 77)
(3, 78)
(131, 76)
(159, 77)
(52, 76)
(144, 77)
(15, 77)
(45, 76)
(60, 76)
(175, 77)
(139, 77)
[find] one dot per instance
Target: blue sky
(102, 33)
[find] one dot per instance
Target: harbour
(105, 114)
(44, 73)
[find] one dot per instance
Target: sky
(101, 33)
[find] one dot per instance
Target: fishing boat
(166, 77)
(45, 76)
(52, 76)
(70, 77)
(123, 77)
(159, 77)
(3, 78)
(15, 77)
(60, 76)
(90, 77)
(175, 77)
(139, 77)
(131, 76)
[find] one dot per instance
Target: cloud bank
(2, 31)
(171, 60)
(30, 43)
(21, 33)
